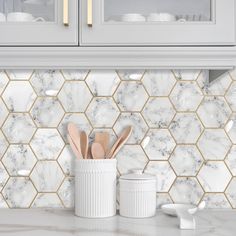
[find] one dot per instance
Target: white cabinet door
(157, 22)
(39, 22)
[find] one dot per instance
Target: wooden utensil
(97, 151)
(120, 142)
(74, 135)
(103, 138)
(73, 147)
(84, 144)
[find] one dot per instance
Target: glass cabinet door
(38, 22)
(158, 22)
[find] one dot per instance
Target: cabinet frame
(159, 34)
(43, 33)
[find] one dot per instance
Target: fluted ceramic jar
(95, 188)
(137, 195)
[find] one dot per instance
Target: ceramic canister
(137, 195)
(95, 188)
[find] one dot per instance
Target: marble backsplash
(184, 132)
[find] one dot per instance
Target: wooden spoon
(74, 135)
(84, 144)
(97, 151)
(120, 142)
(103, 138)
(73, 147)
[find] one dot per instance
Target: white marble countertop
(38, 222)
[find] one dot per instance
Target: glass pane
(157, 10)
(27, 10)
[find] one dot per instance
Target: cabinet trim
(117, 57)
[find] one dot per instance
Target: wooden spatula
(84, 144)
(73, 147)
(103, 138)
(120, 142)
(74, 135)
(97, 151)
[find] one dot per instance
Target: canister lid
(137, 174)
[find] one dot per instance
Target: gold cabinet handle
(90, 13)
(66, 12)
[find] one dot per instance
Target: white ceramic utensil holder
(137, 195)
(95, 188)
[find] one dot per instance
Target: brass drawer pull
(90, 13)
(66, 12)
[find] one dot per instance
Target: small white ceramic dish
(161, 17)
(132, 17)
(171, 209)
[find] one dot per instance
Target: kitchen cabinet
(157, 22)
(124, 34)
(38, 22)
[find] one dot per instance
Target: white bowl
(170, 209)
(132, 17)
(161, 17)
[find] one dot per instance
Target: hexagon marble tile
(186, 96)
(19, 128)
(214, 176)
(19, 96)
(102, 112)
(186, 160)
(47, 176)
(18, 158)
(75, 96)
(47, 112)
(214, 144)
(136, 101)
(158, 112)
(214, 112)
(19, 192)
(186, 190)
(102, 83)
(47, 82)
(186, 128)
(159, 82)
(165, 176)
(51, 142)
(158, 144)
(191, 152)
